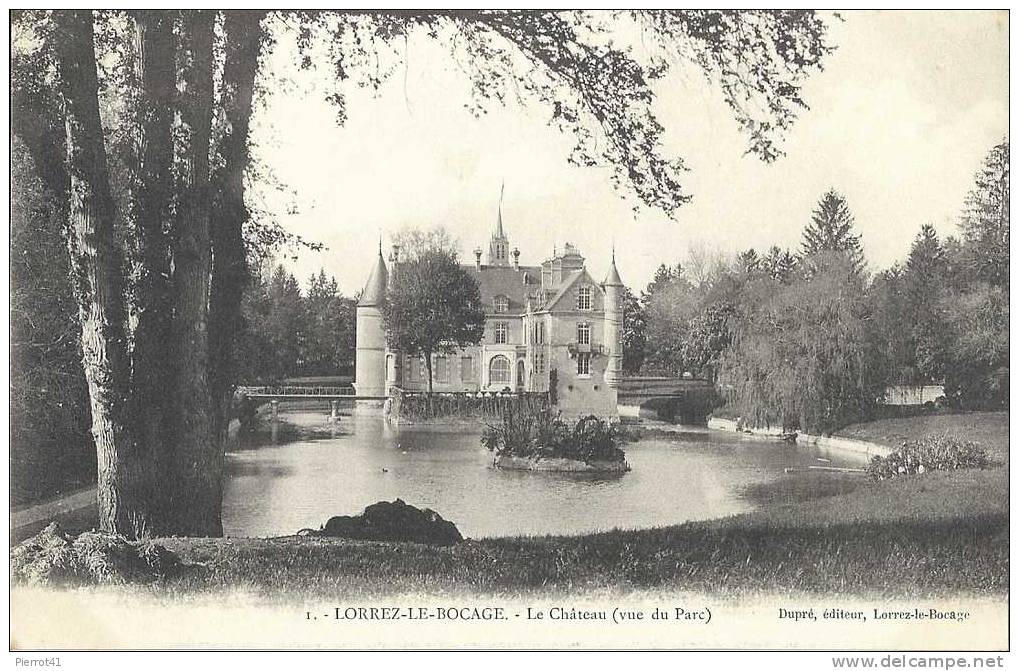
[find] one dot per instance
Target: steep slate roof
(507, 281)
(568, 282)
(375, 288)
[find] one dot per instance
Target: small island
(541, 441)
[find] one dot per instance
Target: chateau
(547, 327)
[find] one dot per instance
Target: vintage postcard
(411, 329)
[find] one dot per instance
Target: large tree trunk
(151, 370)
(97, 277)
(196, 495)
(229, 263)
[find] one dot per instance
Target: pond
(277, 489)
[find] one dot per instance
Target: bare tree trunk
(196, 495)
(229, 263)
(428, 363)
(98, 278)
(151, 370)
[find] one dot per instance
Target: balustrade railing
(286, 390)
(481, 404)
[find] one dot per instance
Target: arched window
(501, 303)
(501, 333)
(583, 333)
(584, 298)
(499, 370)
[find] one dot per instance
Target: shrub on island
(545, 441)
(930, 453)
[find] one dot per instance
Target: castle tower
(370, 357)
(614, 324)
(498, 248)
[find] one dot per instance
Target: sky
(900, 118)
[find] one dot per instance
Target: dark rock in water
(53, 557)
(396, 521)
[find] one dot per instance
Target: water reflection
(275, 489)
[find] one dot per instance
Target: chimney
(477, 259)
(516, 259)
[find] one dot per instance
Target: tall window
(501, 333)
(466, 369)
(541, 332)
(583, 363)
(584, 298)
(583, 334)
(499, 370)
(441, 369)
(501, 304)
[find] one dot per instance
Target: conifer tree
(985, 219)
(924, 278)
(831, 231)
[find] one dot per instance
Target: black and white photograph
(510, 329)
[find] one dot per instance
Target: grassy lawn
(990, 429)
(935, 534)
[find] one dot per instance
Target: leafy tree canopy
(433, 306)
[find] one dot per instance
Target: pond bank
(833, 442)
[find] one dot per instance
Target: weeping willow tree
(804, 355)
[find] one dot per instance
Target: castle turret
(370, 358)
(614, 324)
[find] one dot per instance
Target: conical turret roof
(613, 279)
(375, 288)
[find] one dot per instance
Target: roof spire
(380, 244)
(499, 233)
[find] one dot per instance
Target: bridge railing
(289, 390)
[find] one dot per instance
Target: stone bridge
(671, 399)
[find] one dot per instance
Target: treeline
(50, 445)
(288, 333)
(811, 340)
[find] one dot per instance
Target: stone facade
(547, 325)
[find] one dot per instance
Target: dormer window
(584, 298)
(501, 303)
